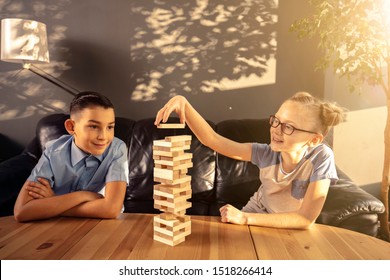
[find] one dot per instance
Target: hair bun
(332, 114)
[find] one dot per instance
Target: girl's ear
(317, 139)
(69, 126)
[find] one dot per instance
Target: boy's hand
(230, 214)
(40, 189)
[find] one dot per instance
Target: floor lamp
(25, 41)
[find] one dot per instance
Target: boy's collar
(76, 154)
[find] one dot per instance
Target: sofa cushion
(139, 195)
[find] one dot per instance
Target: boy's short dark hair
(88, 99)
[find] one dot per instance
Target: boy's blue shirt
(63, 164)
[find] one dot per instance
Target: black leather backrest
(236, 181)
(49, 128)
(124, 129)
(141, 162)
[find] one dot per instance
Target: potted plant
(354, 36)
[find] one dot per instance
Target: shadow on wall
(201, 46)
(22, 93)
(22, 97)
(176, 47)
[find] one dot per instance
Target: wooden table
(131, 237)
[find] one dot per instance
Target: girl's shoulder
(321, 151)
(263, 155)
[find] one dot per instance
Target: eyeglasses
(286, 128)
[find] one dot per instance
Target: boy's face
(93, 129)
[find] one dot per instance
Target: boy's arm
(108, 207)
(29, 207)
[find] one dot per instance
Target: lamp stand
(50, 78)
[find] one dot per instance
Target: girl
(296, 169)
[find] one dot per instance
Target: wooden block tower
(171, 165)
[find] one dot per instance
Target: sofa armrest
(9, 148)
(13, 174)
(346, 201)
(349, 206)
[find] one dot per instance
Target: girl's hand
(40, 189)
(177, 104)
(230, 214)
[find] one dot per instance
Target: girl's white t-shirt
(284, 192)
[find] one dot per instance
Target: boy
(83, 174)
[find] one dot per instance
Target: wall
(235, 60)
(358, 144)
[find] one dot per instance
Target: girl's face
(296, 115)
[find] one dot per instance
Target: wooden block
(170, 149)
(176, 158)
(164, 143)
(167, 241)
(182, 179)
(176, 224)
(182, 167)
(171, 207)
(177, 231)
(181, 185)
(157, 157)
(175, 188)
(180, 211)
(172, 198)
(167, 216)
(166, 173)
(171, 216)
(185, 156)
(174, 165)
(173, 161)
(158, 152)
(172, 189)
(172, 231)
(171, 220)
(178, 138)
(171, 125)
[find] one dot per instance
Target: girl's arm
(302, 219)
(202, 130)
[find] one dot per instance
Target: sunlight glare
(386, 12)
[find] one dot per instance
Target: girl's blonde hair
(327, 114)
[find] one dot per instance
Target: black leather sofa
(216, 180)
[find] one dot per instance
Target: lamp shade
(23, 41)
